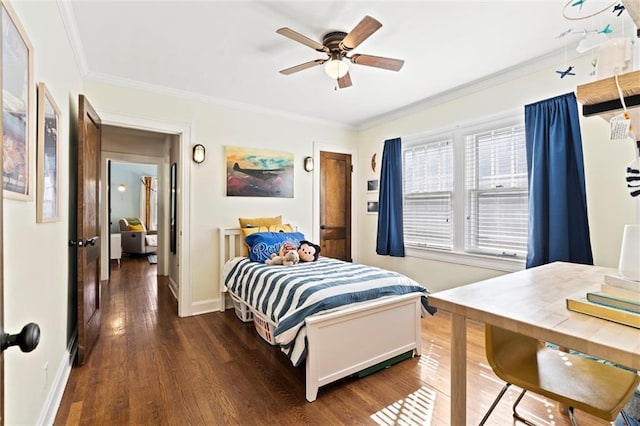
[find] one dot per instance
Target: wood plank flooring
(151, 367)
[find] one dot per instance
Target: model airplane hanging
(618, 8)
(566, 72)
(578, 3)
(606, 30)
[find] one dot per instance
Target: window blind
(496, 193)
(428, 194)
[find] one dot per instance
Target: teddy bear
(287, 256)
(308, 252)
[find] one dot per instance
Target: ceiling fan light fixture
(336, 68)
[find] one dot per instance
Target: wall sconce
(198, 153)
(122, 187)
(308, 164)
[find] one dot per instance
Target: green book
(613, 301)
(582, 305)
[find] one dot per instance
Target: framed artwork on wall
(17, 106)
(372, 207)
(48, 154)
(372, 185)
(255, 172)
(173, 208)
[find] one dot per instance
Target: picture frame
(48, 157)
(18, 106)
(372, 185)
(173, 209)
(372, 207)
(258, 172)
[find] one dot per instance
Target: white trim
(205, 306)
(199, 97)
(469, 259)
(56, 391)
(522, 69)
(69, 23)
(317, 147)
(185, 304)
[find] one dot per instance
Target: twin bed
(337, 317)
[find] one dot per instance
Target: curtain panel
(558, 224)
(390, 239)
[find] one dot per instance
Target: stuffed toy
(308, 252)
(287, 256)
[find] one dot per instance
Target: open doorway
(138, 140)
(133, 211)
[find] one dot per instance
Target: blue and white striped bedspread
(287, 295)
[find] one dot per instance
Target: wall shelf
(602, 95)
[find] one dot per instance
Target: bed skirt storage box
(242, 310)
(264, 328)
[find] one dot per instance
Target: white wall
(40, 294)
(35, 255)
(609, 204)
(216, 126)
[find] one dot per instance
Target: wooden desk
(532, 302)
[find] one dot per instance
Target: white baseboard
(205, 307)
(56, 391)
(173, 286)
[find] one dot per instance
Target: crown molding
(531, 66)
(199, 97)
(70, 25)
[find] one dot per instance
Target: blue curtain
(558, 225)
(390, 233)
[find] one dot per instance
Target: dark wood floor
(152, 367)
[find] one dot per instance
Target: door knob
(27, 339)
(323, 226)
(91, 241)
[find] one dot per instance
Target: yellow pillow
(135, 228)
(281, 228)
(248, 222)
(248, 231)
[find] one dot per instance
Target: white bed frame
(347, 341)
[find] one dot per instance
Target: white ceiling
(228, 51)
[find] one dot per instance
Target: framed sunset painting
(255, 172)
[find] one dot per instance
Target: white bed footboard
(347, 341)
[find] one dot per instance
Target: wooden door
(335, 205)
(88, 234)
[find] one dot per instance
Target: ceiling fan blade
(304, 66)
(378, 62)
(344, 81)
(360, 33)
(296, 36)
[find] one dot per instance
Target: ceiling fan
(337, 45)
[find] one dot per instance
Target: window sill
(481, 261)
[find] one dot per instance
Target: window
(496, 192)
(465, 193)
(428, 194)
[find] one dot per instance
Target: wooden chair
(583, 383)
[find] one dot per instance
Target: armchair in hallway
(135, 238)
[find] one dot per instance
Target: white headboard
(229, 246)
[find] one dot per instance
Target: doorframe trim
(320, 146)
(183, 131)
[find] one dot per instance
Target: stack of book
(618, 300)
